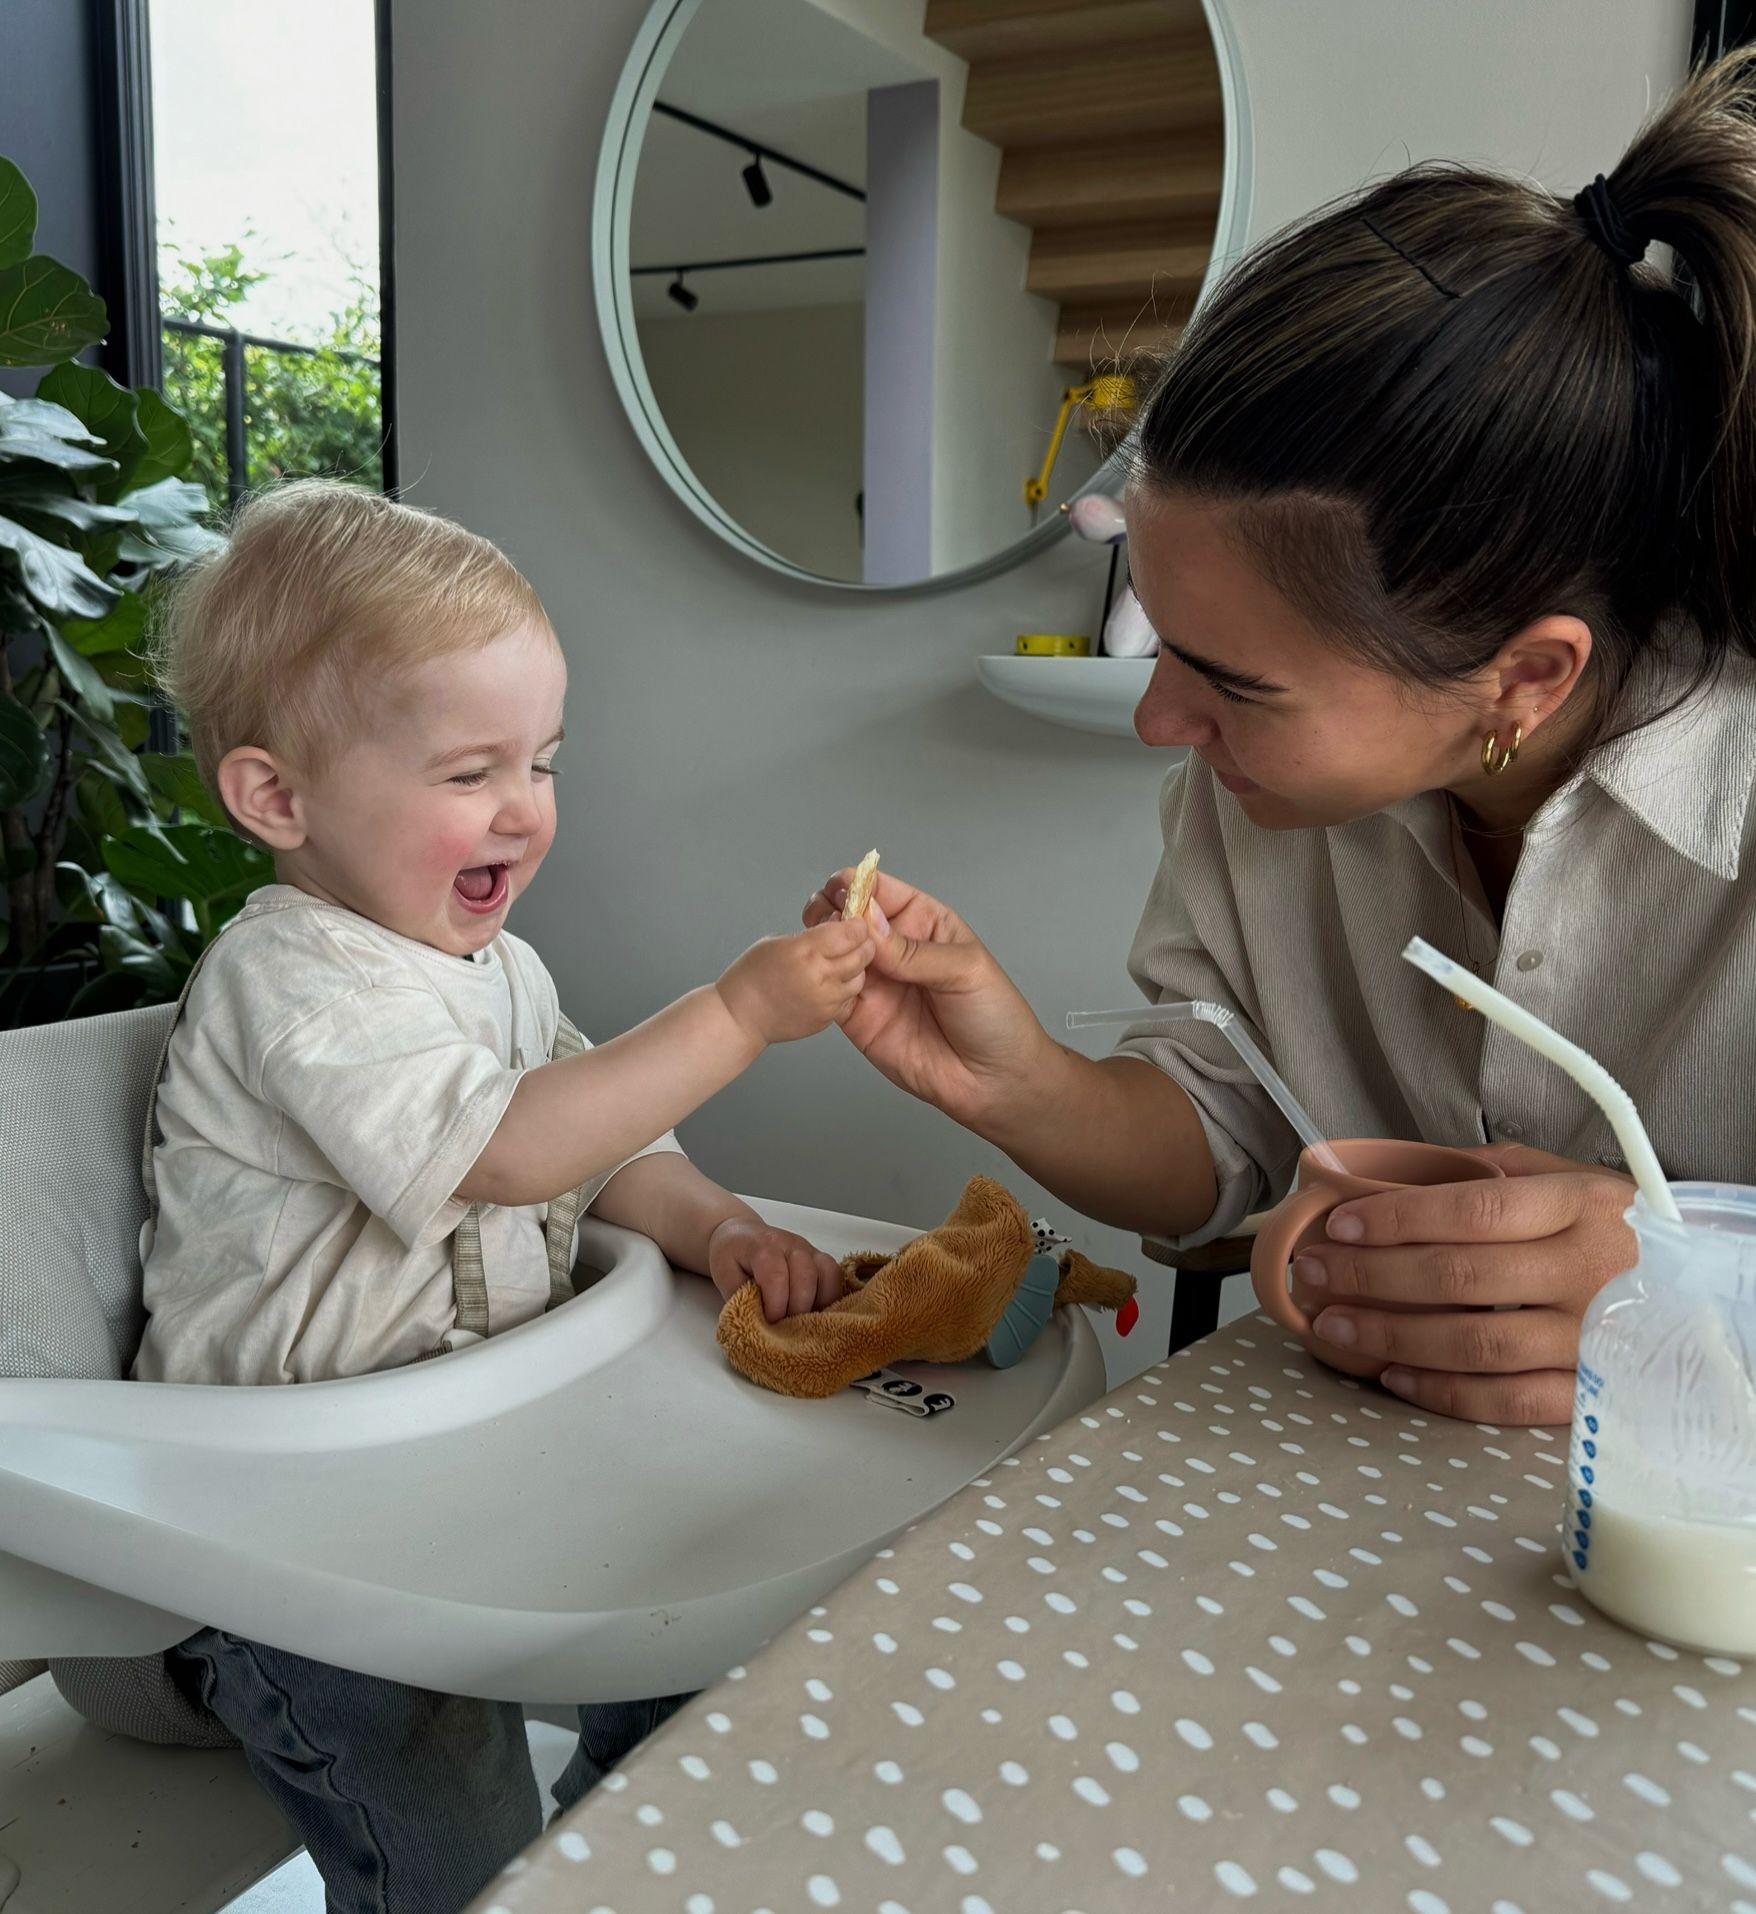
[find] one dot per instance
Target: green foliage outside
(306, 413)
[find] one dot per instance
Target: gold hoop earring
(1494, 760)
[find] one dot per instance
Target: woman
(1445, 512)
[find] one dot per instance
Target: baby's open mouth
(481, 889)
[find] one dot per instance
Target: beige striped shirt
(1630, 926)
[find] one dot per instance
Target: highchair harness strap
(469, 1279)
(469, 1274)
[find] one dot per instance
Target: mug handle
(1272, 1254)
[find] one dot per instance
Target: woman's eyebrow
(1223, 674)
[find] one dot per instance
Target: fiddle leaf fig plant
(114, 858)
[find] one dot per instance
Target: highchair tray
(590, 1507)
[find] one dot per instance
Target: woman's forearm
(1117, 1139)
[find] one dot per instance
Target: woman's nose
(1165, 717)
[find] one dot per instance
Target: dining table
(1245, 1632)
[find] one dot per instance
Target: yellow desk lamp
(1112, 393)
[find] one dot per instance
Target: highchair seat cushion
(70, 1149)
(71, 1129)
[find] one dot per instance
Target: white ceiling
(794, 78)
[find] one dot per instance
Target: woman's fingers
(822, 906)
(928, 966)
(1447, 1275)
(1534, 1398)
(830, 1282)
(1467, 1342)
(1496, 1210)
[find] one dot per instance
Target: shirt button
(1510, 1131)
(1612, 1159)
(1530, 960)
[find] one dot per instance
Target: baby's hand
(787, 987)
(793, 1277)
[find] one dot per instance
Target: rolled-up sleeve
(1190, 948)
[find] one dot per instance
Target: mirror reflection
(918, 218)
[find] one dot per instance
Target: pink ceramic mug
(1373, 1164)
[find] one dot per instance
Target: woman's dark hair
(1449, 405)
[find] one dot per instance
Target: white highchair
(590, 1507)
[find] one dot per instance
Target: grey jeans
(408, 1802)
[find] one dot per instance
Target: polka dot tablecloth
(1243, 1633)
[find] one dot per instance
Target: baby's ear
(254, 789)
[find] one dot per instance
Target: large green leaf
(107, 410)
(176, 781)
(95, 897)
(81, 677)
(47, 313)
(18, 215)
(122, 628)
(54, 577)
(110, 753)
(134, 957)
(170, 447)
(24, 756)
(194, 861)
(128, 674)
(100, 804)
(40, 507)
(50, 435)
(170, 530)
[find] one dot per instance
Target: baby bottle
(1661, 1514)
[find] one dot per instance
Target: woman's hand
(938, 1016)
(1547, 1239)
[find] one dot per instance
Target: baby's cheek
(448, 852)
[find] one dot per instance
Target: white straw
(1241, 1041)
(1597, 1083)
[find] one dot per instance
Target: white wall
(766, 407)
(732, 737)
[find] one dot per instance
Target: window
(267, 175)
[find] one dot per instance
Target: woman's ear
(253, 787)
(1536, 671)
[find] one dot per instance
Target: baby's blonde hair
(321, 589)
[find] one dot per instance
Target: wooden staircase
(1108, 116)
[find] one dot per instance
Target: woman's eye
(470, 779)
(1231, 697)
(546, 770)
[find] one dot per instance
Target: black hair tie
(1596, 206)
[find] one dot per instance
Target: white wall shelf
(1084, 694)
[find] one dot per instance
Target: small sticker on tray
(891, 1391)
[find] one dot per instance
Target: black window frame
(132, 353)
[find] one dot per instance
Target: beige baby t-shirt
(328, 1086)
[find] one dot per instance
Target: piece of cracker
(865, 882)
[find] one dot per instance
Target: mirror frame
(612, 206)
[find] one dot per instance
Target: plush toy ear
(1083, 1281)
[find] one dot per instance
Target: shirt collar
(1687, 775)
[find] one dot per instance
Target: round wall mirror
(878, 278)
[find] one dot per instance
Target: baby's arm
(572, 1119)
(699, 1226)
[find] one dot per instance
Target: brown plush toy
(938, 1299)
